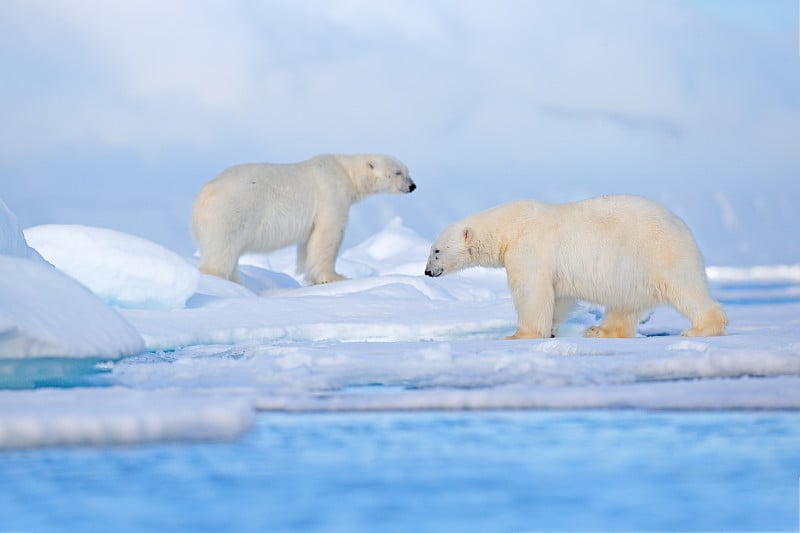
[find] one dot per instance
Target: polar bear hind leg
(221, 266)
(690, 297)
(219, 252)
(710, 324)
(708, 318)
(220, 263)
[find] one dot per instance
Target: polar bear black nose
(434, 272)
(412, 187)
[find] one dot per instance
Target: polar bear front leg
(534, 300)
(321, 251)
(616, 325)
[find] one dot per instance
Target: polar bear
(262, 207)
(624, 252)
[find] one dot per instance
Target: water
(430, 471)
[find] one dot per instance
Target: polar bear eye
(398, 173)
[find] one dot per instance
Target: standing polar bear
(263, 207)
(626, 253)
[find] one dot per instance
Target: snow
(122, 270)
(12, 241)
(199, 363)
(116, 416)
(44, 313)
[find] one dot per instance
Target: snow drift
(122, 270)
(388, 338)
(44, 313)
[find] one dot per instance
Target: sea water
(605, 470)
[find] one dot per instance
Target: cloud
(412, 74)
(543, 98)
(634, 123)
(149, 49)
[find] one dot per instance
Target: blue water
(432, 471)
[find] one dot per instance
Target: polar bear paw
(594, 332)
(601, 332)
(525, 335)
(327, 278)
(707, 332)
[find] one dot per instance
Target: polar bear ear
(467, 234)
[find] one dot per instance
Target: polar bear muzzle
(434, 268)
(434, 272)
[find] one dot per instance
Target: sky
(116, 113)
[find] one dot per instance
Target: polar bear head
(478, 240)
(386, 174)
(456, 248)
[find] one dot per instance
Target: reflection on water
(43, 372)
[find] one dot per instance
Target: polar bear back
(273, 205)
(622, 249)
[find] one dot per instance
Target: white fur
(264, 207)
(626, 253)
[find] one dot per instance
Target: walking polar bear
(263, 207)
(626, 253)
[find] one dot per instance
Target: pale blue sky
(770, 17)
(115, 113)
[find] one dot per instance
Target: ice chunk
(121, 269)
(12, 241)
(103, 416)
(755, 274)
(44, 312)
